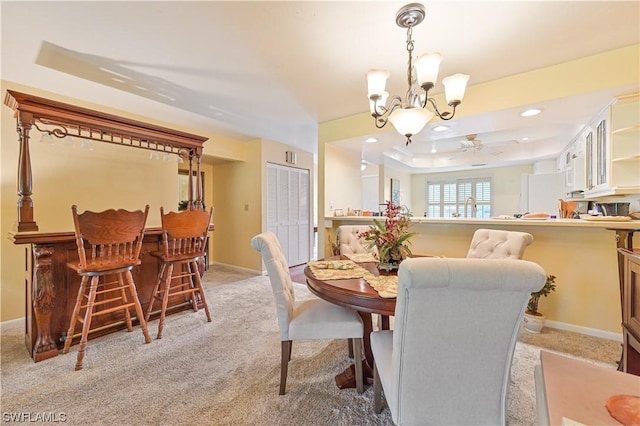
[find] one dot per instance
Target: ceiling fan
(471, 145)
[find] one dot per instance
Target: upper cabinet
(573, 164)
(612, 150)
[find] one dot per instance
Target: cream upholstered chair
(348, 237)
(456, 325)
(308, 319)
(498, 244)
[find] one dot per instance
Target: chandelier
(409, 116)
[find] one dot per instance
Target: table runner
(361, 257)
(385, 285)
(336, 270)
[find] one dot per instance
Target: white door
(289, 211)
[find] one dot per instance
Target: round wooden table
(356, 294)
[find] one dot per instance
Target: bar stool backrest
(114, 238)
(185, 233)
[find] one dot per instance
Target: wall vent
(291, 157)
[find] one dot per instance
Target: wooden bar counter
(52, 287)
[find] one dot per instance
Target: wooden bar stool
(115, 237)
(184, 240)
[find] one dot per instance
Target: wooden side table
(577, 391)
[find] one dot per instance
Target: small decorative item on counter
(567, 208)
(536, 215)
(391, 238)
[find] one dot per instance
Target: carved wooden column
(43, 296)
(25, 203)
(199, 203)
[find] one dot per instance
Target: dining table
(360, 295)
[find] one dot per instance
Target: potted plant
(533, 319)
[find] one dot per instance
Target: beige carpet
(225, 372)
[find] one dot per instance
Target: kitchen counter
(627, 224)
(582, 254)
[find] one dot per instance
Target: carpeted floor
(226, 372)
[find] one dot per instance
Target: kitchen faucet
(474, 208)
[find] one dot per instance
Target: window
(448, 198)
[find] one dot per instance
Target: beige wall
(236, 184)
(506, 187)
(239, 197)
(581, 76)
(109, 176)
(343, 185)
(406, 186)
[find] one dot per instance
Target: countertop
(580, 223)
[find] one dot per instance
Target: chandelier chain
(410, 47)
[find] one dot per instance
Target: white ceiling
(277, 69)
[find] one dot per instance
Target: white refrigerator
(541, 192)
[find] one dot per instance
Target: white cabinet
(572, 164)
(613, 151)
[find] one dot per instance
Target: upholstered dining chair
(498, 244)
(456, 325)
(350, 241)
(310, 319)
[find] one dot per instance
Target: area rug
(221, 373)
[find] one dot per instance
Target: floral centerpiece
(391, 238)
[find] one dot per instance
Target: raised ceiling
(277, 69)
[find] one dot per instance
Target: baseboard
(17, 322)
(584, 330)
(238, 268)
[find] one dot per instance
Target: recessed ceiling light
(440, 128)
(525, 139)
(531, 112)
(371, 140)
(433, 150)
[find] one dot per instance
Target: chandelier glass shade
(410, 115)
